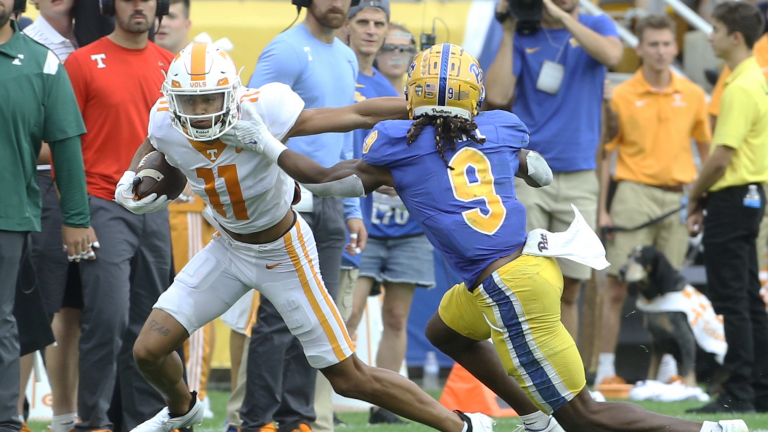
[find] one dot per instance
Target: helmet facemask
(221, 111)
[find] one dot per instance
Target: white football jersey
(245, 191)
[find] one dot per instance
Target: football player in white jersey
(261, 242)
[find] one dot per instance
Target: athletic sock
(537, 421)
(605, 366)
(64, 422)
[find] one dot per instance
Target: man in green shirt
(730, 188)
(37, 105)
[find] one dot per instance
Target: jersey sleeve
(512, 131)
(62, 114)
(605, 26)
(78, 78)
(154, 119)
(378, 147)
(277, 63)
(278, 106)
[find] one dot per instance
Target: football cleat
(163, 422)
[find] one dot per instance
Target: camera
(527, 13)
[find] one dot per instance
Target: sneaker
(733, 425)
(337, 422)
(382, 416)
(723, 404)
(162, 421)
(269, 427)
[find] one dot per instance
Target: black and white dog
(648, 272)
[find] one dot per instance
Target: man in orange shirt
(656, 113)
(116, 80)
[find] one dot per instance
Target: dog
(648, 273)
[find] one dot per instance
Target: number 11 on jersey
(229, 174)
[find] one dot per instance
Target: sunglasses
(401, 49)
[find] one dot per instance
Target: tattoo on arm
(157, 328)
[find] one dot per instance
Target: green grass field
(358, 421)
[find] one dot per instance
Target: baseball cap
(381, 4)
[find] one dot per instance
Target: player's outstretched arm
(349, 178)
(533, 169)
(362, 115)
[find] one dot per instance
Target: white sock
(605, 366)
(64, 422)
(709, 426)
(537, 421)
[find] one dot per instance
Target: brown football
(156, 175)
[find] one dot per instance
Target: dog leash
(608, 230)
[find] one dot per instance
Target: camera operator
(555, 75)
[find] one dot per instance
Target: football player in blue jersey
(453, 168)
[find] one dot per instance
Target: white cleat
(162, 421)
(733, 425)
(553, 426)
(480, 422)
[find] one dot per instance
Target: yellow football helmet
(444, 80)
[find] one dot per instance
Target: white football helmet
(202, 69)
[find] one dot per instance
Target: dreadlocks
(448, 130)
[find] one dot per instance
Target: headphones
(306, 3)
(108, 7)
(19, 6)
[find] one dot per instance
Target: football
(156, 175)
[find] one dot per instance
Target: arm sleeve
(351, 205)
(702, 132)
(70, 178)
(62, 117)
(737, 113)
(614, 143)
(278, 106)
(278, 63)
(717, 92)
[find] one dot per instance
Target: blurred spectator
(173, 33)
(556, 77)
(91, 24)
(117, 80)
(37, 104)
(62, 292)
(323, 71)
(396, 55)
(657, 114)
(730, 188)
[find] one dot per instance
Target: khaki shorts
(635, 204)
(550, 208)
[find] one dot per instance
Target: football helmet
(444, 80)
(202, 69)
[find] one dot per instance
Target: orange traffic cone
(465, 393)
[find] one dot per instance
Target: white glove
(253, 135)
(538, 169)
(125, 197)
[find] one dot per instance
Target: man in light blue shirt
(280, 384)
(553, 79)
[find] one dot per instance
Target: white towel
(578, 243)
(707, 327)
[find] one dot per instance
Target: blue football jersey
(469, 212)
